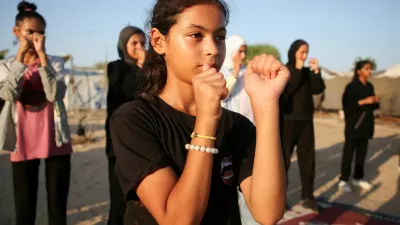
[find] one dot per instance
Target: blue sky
(338, 31)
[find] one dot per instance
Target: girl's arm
(11, 79)
(265, 189)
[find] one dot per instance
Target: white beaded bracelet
(201, 149)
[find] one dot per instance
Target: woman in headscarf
(298, 126)
(122, 80)
(233, 70)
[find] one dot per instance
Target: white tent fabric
(87, 89)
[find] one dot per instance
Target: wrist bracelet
(201, 148)
(194, 135)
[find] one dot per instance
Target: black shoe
(310, 204)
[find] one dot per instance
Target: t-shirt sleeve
(245, 135)
(138, 150)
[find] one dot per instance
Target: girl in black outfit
(180, 155)
(359, 102)
(298, 126)
(122, 76)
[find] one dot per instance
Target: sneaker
(310, 204)
(362, 184)
(345, 186)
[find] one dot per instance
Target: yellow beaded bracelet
(194, 135)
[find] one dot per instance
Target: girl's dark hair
(27, 10)
(359, 65)
(153, 77)
(293, 49)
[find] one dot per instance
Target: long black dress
(122, 78)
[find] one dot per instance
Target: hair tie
(28, 10)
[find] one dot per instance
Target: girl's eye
(221, 37)
(196, 35)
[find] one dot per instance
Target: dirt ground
(89, 199)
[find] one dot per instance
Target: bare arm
(184, 201)
(181, 201)
(265, 190)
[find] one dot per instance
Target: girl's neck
(363, 80)
(179, 95)
(30, 58)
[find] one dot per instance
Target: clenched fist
(265, 79)
(209, 90)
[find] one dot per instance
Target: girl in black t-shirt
(180, 156)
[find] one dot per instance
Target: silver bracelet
(201, 148)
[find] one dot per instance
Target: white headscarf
(238, 100)
(233, 44)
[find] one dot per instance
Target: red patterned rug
(337, 216)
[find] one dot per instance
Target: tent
(87, 89)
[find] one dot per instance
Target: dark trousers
(25, 179)
(359, 147)
(300, 134)
(117, 202)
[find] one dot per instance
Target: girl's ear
(157, 40)
(16, 31)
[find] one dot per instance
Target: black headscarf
(124, 37)
(292, 51)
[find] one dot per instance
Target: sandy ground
(89, 200)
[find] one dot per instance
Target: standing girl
(34, 120)
(122, 79)
(180, 155)
(359, 102)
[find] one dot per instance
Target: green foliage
(254, 50)
(3, 54)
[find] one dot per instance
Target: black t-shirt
(150, 135)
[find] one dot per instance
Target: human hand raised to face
(39, 42)
(314, 65)
(141, 55)
(209, 90)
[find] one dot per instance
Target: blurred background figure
(233, 70)
(34, 121)
(298, 126)
(122, 75)
(359, 102)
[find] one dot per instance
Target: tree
(3, 53)
(370, 59)
(254, 50)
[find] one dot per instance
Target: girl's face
(302, 53)
(241, 53)
(365, 71)
(27, 28)
(135, 42)
(196, 39)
